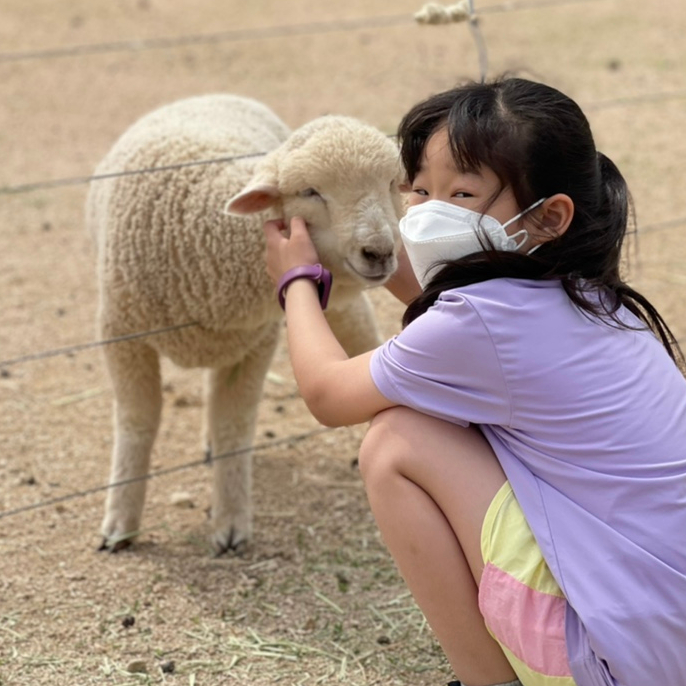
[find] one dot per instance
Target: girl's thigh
(522, 605)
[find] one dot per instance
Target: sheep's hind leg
(135, 372)
(233, 395)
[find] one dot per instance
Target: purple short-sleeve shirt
(589, 423)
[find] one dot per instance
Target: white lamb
(168, 254)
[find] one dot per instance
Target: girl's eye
(309, 193)
(462, 194)
(419, 191)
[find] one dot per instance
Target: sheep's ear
(253, 199)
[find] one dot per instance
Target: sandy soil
(316, 599)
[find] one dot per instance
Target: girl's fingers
(286, 249)
(298, 226)
(273, 226)
(300, 233)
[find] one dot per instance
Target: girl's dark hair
(538, 143)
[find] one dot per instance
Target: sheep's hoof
(231, 543)
(116, 546)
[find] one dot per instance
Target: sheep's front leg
(354, 325)
(134, 369)
(232, 397)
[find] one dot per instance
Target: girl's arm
(338, 390)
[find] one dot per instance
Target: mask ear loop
(523, 232)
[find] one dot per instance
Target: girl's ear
(556, 215)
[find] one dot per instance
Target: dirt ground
(316, 599)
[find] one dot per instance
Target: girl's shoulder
(513, 308)
(505, 290)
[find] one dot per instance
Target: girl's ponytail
(615, 199)
(615, 203)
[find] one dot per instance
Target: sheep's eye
(309, 193)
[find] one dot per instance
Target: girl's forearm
(337, 389)
(312, 346)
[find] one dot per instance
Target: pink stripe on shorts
(523, 607)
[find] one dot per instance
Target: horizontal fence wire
(161, 472)
(238, 35)
(70, 350)
(662, 226)
(635, 100)
(78, 180)
(82, 180)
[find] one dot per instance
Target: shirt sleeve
(445, 364)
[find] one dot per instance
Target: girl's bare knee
(377, 448)
(381, 447)
(403, 441)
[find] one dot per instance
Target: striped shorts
(522, 605)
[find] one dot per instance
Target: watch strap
(321, 276)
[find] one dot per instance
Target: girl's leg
(429, 484)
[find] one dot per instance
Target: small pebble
(182, 500)
(168, 667)
(137, 667)
(187, 401)
(128, 621)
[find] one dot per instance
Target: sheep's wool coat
(164, 257)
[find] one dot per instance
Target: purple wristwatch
(322, 277)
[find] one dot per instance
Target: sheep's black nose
(374, 256)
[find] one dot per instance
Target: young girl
(526, 460)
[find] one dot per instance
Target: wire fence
(82, 180)
(40, 505)
(49, 184)
(79, 347)
(72, 349)
(234, 36)
(269, 32)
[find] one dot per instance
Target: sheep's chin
(370, 280)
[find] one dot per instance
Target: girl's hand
(285, 252)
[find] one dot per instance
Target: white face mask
(436, 231)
